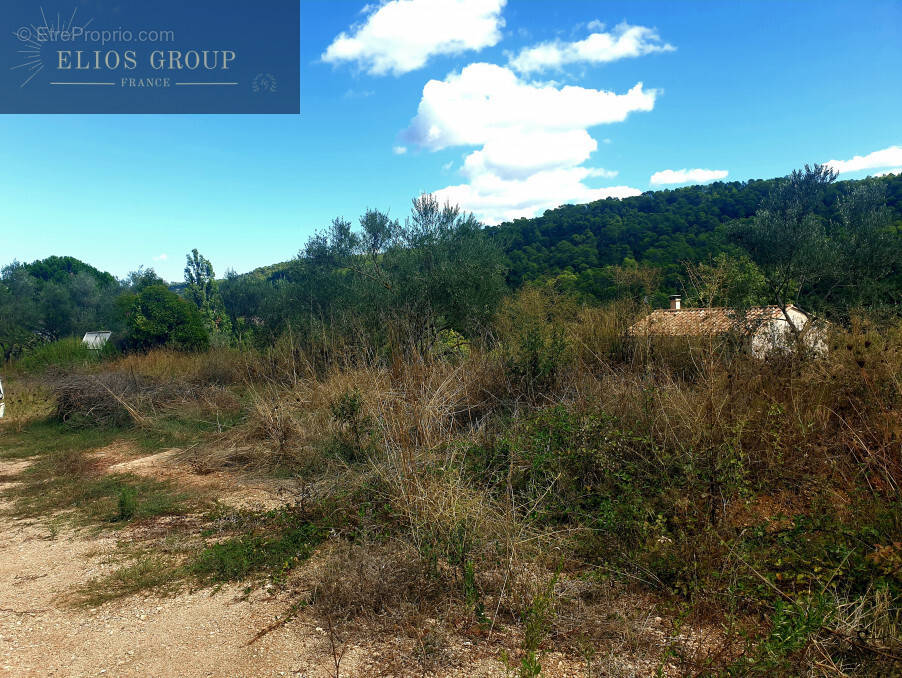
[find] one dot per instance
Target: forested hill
(440, 259)
(658, 228)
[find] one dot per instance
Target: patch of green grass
(148, 572)
(62, 480)
(70, 352)
(182, 429)
(48, 436)
(261, 547)
(128, 503)
(63, 476)
(266, 555)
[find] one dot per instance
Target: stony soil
(192, 633)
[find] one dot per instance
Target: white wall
(776, 335)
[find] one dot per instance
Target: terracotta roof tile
(704, 321)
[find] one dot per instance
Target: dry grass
(388, 581)
(26, 400)
(218, 366)
(676, 499)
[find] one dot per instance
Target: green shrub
(157, 317)
(534, 343)
(355, 434)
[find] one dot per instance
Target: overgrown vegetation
(538, 476)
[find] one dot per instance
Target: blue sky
(509, 108)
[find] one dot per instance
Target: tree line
(644, 243)
(384, 285)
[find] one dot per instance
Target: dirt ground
(192, 633)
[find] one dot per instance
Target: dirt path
(190, 634)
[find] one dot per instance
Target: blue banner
(165, 56)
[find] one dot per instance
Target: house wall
(776, 335)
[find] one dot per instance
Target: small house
(96, 340)
(764, 328)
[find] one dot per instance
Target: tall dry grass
(560, 449)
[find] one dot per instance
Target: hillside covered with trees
(588, 248)
(836, 247)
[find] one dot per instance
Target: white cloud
(401, 35)
(897, 170)
(494, 199)
(511, 154)
(685, 176)
(888, 157)
(532, 138)
(399, 150)
(472, 107)
(358, 94)
(161, 257)
(623, 42)
(601, 172)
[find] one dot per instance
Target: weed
(148, 572)
(355, 427)
(270, 554)
(128, 503)
(537, 621)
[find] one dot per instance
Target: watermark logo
(174, 57)
(33, 37)
(265, 82)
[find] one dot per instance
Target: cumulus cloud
(686, 176)
(888, 157)
(897, 170)
(472, 107)
(401, 35)
(623, 42)
(399, 150)
(531, 138)
(161, 257)
(494, 199)
(510, 155)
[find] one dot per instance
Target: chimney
(674, 302)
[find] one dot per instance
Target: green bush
(355, 436)
(533, 340)
(157, 317)
(572, 467)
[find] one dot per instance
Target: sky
(507, 108)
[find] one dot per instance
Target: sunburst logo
(264, 82)
(32, 38)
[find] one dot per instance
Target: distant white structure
(765, 328)
(96, 340)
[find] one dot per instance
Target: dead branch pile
(111, 398)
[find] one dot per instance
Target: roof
(706, 321)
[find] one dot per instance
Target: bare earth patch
(194, 633)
